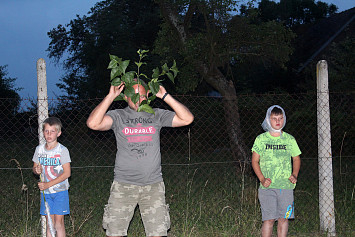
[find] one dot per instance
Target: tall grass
(205, 200)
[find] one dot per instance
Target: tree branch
(173, 19)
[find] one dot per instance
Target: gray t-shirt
(138, 158)
(52, 162)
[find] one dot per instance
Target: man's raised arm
(183, 115)
(97, 119)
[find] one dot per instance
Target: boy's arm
(97, 119)
(295, 169)
(256, 167)
(66, 174)
(183, 115)
(36, 169)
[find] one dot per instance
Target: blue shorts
(276, 203)
(58, 203)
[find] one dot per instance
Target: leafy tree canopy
(210, 40)
(111, 27)
(7, 85)
(297, 15)
(293, 12)
(8, 91)
(342, 63)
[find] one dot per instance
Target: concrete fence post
(325, 169)
(42, 112)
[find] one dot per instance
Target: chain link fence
(210, 185)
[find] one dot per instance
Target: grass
(204, 199)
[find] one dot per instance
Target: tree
(342, 64)
(303, 17)
(209, 40)
(7, 89)
(112, 27)
(295, 12)
(205, 37)
(11, 101)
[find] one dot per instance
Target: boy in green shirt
(271, 162)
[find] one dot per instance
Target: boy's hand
(293, 179)
(266, 182)
(42, 186)
(38, 169)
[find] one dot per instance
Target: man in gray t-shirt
(138, 178)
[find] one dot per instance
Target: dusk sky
(23, 37)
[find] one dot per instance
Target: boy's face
(276, 121)
(50, 133)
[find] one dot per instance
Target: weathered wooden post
(42, 111)
(325, 169)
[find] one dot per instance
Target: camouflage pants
(123, 201)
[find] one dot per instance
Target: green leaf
(174, 69)
(151, 98)
(129, 91)
(142, 52)
(139, 64)
(170, 76)
(115, 72)
(146, 108)
(116, 82)
(135, 98)
(112, 64)
(119, 97)
(115, 58)
(144, 102)
(123, 66)
(128, 77)
(155, 73)
(165, 68)
(154, 87)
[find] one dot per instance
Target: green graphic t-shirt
(275, 158)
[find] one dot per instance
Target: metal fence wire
(210, 187)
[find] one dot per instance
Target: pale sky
(23, 37)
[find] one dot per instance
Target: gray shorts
(121, 205)
(276, 203)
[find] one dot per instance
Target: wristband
(166, 93)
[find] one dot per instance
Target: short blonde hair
(53, 121)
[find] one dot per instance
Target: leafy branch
(119, 75)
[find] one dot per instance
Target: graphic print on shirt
(275, 158)
(52, 162)
(52, 168)
(139, 137)
(278, 167)
(51, 165)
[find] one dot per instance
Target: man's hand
(161, 92)
(116, 90)
(293, 179)
(266, 182)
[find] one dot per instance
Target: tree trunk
(214, 77)
(231, 110)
